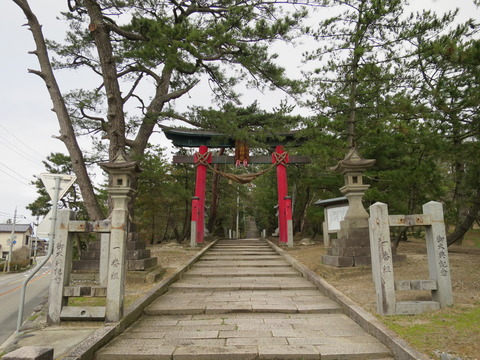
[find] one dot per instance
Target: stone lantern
(352, 168)
(120, 171)
(352, 247)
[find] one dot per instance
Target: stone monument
(439, 282)
(352, 247)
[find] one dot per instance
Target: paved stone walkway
(243, 301)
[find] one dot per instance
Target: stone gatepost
(120, 171)
(352, 247)
(439, 282)
(114, 234)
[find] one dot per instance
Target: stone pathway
(243, 301)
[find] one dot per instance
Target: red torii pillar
(198, 203)
(284, 211)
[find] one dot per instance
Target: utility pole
(36, 243)
(12, 239)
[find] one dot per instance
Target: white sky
(26, 122)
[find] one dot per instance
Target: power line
(13, 177)
(5, 214)
(27, 157)
(21, 141)
(24, 178)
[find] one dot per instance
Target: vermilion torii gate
(203, 159)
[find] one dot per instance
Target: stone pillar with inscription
(120, 171)
(439, 282)
(438, 264)
(62, 260)
(352, 247)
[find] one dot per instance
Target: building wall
(22, 238)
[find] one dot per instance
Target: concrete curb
(86, 350)
(400, 349)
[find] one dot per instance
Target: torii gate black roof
(194, 138)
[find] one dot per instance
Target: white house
(23, 234)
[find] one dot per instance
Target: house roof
(330, 202)
(19, 228)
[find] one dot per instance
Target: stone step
(245, 336)
(243, 283)
(225, 263)
(178, 301)
(241, 271)
(242, 251)
(241, 246)
(240, 257)
(252, 243)
(243, 307)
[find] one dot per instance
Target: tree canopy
(401, 87)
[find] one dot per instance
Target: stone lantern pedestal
(352, 246)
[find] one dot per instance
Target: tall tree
(168, 45)
(358, 53)
(449, 68)
(366, 95)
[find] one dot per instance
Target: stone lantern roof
(119, 164)
(353, 161)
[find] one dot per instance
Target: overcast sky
(27, 125)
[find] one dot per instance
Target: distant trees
(163, 202)
(447, 65)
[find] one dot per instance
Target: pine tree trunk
(67, 133)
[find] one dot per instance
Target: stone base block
(415, 285)
(90, 291)
(349, 251)
(85, 276)
(138, 254)
(86, 265)
(136, 245)
(142, 277)
(338, 261)
(30, 353)
(142, 264)
(328, 271)
(93, 246)
(399, 258)
(362, 260)
(415, 307)
(133, 236)
(351, 242)
(346, 261)
(90, 255)
(83, 313)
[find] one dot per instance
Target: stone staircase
(242, 300)
(138, 256)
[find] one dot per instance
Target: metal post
(288, 217)
(237, 226)
(193, 227)
(12, 239)
(49, 253)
